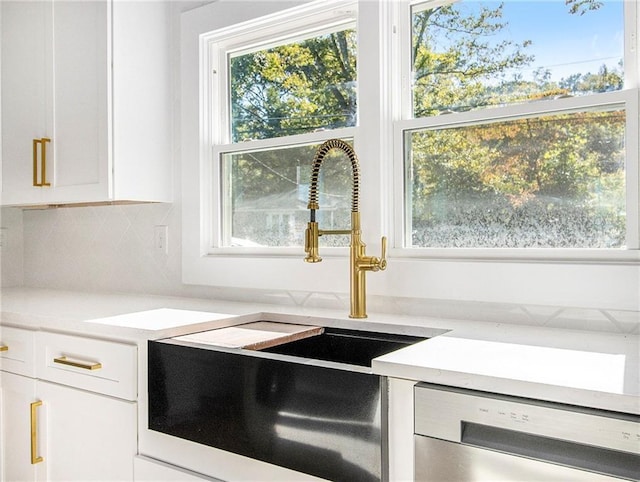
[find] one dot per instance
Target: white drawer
(17, 353)
(96, 365)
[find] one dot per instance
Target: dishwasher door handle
(444, 461)
(545, 449)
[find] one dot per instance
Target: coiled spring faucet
(360, 263)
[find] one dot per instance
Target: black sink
(287, 405)
(353, 347)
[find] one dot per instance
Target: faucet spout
(360, 263)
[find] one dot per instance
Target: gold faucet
(360, 263)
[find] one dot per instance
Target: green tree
(294, 88)
(455, 55)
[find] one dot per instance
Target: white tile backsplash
(11, 259)
(110, 248)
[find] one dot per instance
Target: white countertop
(132, 318)
(586, 369)
(159, 319)
(590, 369)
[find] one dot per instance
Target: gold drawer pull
(87, 366)
(4, 348)
(34, 433)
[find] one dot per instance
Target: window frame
(404, 122)
(215, 49)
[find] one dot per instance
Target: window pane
(266, 196)
(472, 54)
(550, 182)
(294, 88)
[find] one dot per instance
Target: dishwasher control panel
(442, 412)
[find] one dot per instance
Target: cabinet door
(17, 394)
(27, 94)
(79, 146)
(88, 436)
(55, 84)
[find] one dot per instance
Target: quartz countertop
(584, 369)
(598, 370)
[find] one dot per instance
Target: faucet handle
(311, 243)
(382, 264)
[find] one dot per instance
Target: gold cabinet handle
(36, 183)
(62, 360)
(43, 162)
(34, 433)
(4, 348)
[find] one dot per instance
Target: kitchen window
(519, 126)
(278, 90)
(442, 170)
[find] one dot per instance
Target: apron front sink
(310, 405)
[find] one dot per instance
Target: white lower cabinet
(63, 428)
(86, 436)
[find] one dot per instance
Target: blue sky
(566, 43)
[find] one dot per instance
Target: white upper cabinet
(85, 102)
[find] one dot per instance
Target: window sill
(536, 255)
(540, 255)
(273, 252)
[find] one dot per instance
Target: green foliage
(582, 6)
(565, 170)
(294, 88)
(455, 57)
(460, 63)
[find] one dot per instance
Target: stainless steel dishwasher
(466, 435)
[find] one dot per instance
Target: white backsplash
(11, 261)
(111, 248)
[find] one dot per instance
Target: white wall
(110, 248)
